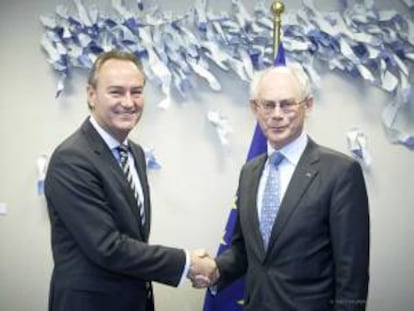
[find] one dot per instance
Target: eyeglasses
(285, 105)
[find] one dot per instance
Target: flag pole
(277, 9)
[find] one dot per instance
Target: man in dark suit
(302, 235)
(99, 204)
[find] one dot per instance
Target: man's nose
(277, 111)
(128, 100)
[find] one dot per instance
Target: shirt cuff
(186, 268)
(213, 290)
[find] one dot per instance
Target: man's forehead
(277, 73)
(117, 64)
(279, 84)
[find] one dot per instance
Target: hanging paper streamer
(42, 162)
(365, 43)
(409, 3)
(357, 145)
(151, 161)
(389, 116)
(3, 209)
(222, 126)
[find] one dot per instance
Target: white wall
(193, 192)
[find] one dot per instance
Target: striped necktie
(124, 156)
(271, 198)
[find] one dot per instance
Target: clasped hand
(203, 269)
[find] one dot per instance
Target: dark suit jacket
(318, 254)
(102, 259)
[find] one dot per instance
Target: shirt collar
(293, 150)
(110, 141)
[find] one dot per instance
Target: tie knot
(123, 153)
(123, 148)
(276, 158)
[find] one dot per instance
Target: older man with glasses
(302, 233)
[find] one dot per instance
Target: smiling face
(116, 98)
(279, 125)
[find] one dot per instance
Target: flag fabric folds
(231, 297)
(280, 59)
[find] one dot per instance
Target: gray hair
(294, 68)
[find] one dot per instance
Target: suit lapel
(101, 150)
(252, 214)
(140, 166)
(301, 179)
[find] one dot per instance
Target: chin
(278, 142)
(127, 123)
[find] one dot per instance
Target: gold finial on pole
(277, 9)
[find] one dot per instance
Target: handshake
(203, 270)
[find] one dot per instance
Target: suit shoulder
(74, 146)
(337, 158)
(254, 162)
(136, 146)
(332, 153)
(73, 141)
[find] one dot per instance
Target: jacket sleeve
(76, 198)
(349, 227)
(232, 263)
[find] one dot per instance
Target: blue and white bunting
(376, 46)
(41, 164)
(221, 123)
(357, 145)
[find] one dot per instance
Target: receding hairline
(116, 56)
(296, 71)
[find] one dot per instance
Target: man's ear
(309, 105)
(91, 96)
(253, 105)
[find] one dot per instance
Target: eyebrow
(280, 100)
(119, 87)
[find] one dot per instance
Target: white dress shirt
(113, 144)
(292, 153)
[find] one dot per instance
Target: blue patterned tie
(123, 154)
(271, 197)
